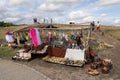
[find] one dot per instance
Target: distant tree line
(5, 24)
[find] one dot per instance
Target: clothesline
(84, 28)
(63, 28)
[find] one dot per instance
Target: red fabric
(92, 53)
(8, 33)
(98, 28)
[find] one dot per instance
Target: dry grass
(115, 34)
(113, 31)
(3, 30)
(110, 28)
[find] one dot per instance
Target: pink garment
(38, 36)
(33, 35)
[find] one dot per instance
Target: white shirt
(97, 25)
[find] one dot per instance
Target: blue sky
(62, 11)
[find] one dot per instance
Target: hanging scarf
(73, 36)
(33, 35)
(9, 38)
(26, 37)
(38, 36)
(23, 38)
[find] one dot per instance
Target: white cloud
(2, 2)
(103, 15)
(117, 21)
(63, 1)
(49, 7)
(89, 19)
(56, 5)
(107, 2)
(20, 2)
(102, 4)
(62, 11)
(77, 14)
(11, 19)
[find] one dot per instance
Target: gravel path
(13, 71)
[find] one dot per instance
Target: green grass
(7, 52)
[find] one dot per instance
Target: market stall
(64, 46)
(57, 43)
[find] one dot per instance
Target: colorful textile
(9, 37)
(53, 34)
(49, 38)
(38, 36)
(73, 36)
(19, 37)
(23, 38)
(26, 37)
(18, 40)
(33, 35)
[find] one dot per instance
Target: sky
(61, 11)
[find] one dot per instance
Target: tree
(6, 24)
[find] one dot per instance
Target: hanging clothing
(81, 35)
(26, 37)
(49, 35)
(9, 37)
(78, 40)
(49, 38)
(53, 37)
(34, 36)
(53, 34)
(60, 35)
(19, 37)
(73, 36)
(66, 37)
(69, 44)
(38, 36)
(18, 40)
(22, 40)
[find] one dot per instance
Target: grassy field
(3, 30)
(113, 31)
(7, 52)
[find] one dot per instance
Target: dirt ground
(63, 72)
